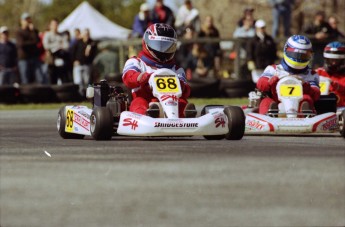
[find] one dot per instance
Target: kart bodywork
(110, 116)
(287, 119)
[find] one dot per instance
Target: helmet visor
(161, 43)
(334, 62)
(298, 54)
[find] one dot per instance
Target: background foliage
(121, 12)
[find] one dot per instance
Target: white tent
(85, 16)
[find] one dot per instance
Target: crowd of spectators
(51, 57)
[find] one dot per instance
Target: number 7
(291, 90)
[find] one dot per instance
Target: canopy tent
(85, 16)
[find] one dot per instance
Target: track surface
(258, 181)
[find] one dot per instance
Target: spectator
(83, 54)
(162, 14)
(319, 31)
(8, 58)
(319, 28)
(187, 16)
(209, 30)
(76, 37)
(247, 13)
(246, 30)
(141, 21)
(333, 23)
(281, 9)
(261, 50)
(199, 61)
(106, 64)
(57, 55)
(185, 50)
(29, 63)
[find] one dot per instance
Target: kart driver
(158, 50)
(334, 68)
(297, 55)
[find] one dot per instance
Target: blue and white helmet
(298, 52)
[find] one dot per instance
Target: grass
(196, 101)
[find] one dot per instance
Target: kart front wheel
(236, 122)
(342, 124)
(61, 123)
(101, 123)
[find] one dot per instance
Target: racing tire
(203, 112)
(342, 124)
(101, 121)
(61, 122)
(236, 122)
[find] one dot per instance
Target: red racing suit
(337, 85)
(136, 73)
(268, 81)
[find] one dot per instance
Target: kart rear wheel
(236, 122)
(61, 123)
(203, 112)
(101, 123)
(342, 124)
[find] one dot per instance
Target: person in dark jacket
(261, 50)
(29, 63)
(162, 14)
(83, 54)
(8, 58)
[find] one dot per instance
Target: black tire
(342, 124)
(67, 92)
(204, 87)
(203, 112)
(9, 94)
(61, 122)
(236, 122)
(37, 94)
(101, 121)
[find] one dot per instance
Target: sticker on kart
(290, 90)
(166, 84)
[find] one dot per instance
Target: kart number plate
(290, 90)
(166, 84)
(323, 86)
(69, 120)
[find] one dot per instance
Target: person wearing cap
(29, 63)
(281, 11)
(261, 50)
(187, 17)
(141, 21)
(8, 58)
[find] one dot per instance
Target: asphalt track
(258, 181)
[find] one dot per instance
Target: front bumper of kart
(258, 123)
(133, 124)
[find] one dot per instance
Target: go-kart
(287, 118)
(328, 103)
(110, 116)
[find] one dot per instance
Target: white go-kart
(287, 119)
(110, 116)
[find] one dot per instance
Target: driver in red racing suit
(158, 50)
(297, 55)
(334, 68)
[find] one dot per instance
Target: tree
(121, 12)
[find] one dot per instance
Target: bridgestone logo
(176, 125)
